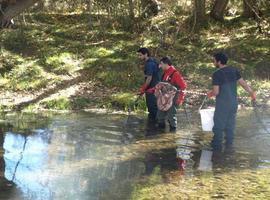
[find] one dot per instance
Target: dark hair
(221, 57)
(166, 60)
(144, 51)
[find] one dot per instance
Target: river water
(93, 156)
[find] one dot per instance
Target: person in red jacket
(174, 77)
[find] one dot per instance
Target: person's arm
(178, 80)
(145, 85)
(148, 73)
(216, 82)
(248, 89)
(148, 80)
(214, 92)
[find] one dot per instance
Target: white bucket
(207, 118)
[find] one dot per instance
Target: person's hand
(210, 94)
(142, 89)
(151, 90)
(253, 96)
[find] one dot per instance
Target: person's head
(165, 62)
(143, 53)
(220, 59)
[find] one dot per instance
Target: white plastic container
(207, 118)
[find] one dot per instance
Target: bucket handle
(203, 102)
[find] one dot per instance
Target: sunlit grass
(248, 184)
(127, 101)
(61, 103)
(63, 63)
(63, 44)
(25, 76)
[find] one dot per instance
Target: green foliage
(8, 62)
(125, 79)
(127, 101)
(16, 40)
(63, 63)
(26, 77)
(141, 191)
(80, 102)
(64, 103)
(57, 104)
(58, 47)
(31, 108)
(26, 121)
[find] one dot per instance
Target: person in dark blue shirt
(151, 78)
(224, 81)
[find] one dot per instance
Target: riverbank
(57, 62)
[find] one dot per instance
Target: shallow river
(90, 156)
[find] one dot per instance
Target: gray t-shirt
(226, 78)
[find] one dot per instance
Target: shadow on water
(104, 156)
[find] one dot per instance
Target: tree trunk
(13, 10)
(89, 9)
(131, 9)
(89, 6)
(250, 9)
(218, 9)
(199, 12)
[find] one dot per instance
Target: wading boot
(172, 129)
(161, 125)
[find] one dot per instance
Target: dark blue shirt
(151, 69)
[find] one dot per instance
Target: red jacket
(174, 77)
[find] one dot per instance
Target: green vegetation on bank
(66, 64)
(235, 184)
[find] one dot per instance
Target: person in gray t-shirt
(224, 81)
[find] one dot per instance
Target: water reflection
(97, 156)
(165, 159)
(26, 159)
(69, 154)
